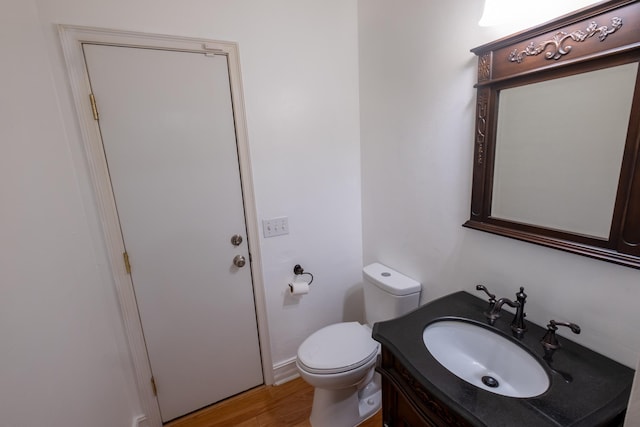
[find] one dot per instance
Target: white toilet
(338, 360)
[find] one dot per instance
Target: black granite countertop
(598, 393)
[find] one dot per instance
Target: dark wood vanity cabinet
(405, 403)
(418, 391)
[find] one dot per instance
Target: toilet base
(346, 407)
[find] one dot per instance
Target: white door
(168, 132)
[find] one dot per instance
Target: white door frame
(72, 38)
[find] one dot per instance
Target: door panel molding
(72, 38)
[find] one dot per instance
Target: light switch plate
(275, 226)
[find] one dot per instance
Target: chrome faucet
(518, 326)
(550, 342)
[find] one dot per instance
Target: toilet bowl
(338, 360)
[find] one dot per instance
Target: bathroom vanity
(585, 388)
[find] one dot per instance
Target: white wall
(417, 127)
(64, 357)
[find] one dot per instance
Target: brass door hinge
(94, 107)
(127, 264)
(154, 387)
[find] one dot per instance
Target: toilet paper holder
(299, 287)
(299, 271)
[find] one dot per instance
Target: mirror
(557, 141)
(557, 164)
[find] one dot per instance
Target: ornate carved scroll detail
(481, 125)
(484, 67)
(558, 49)
(425, 397)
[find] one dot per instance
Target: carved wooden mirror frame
(596, 37)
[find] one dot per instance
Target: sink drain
(490, 381)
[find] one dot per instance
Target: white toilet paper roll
(299, 288)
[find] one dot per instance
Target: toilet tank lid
(390, 280)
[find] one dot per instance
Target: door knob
(236, 240)
(239, 261)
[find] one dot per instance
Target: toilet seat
(337, 348)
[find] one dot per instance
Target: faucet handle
(518, 325)
(550, 342)
(574, 328)
(492, 297)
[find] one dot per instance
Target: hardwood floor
(286, 405)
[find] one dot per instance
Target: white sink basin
(485, 359)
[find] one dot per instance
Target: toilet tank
(387, 293)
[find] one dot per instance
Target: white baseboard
(285, 371)
(140, 421)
